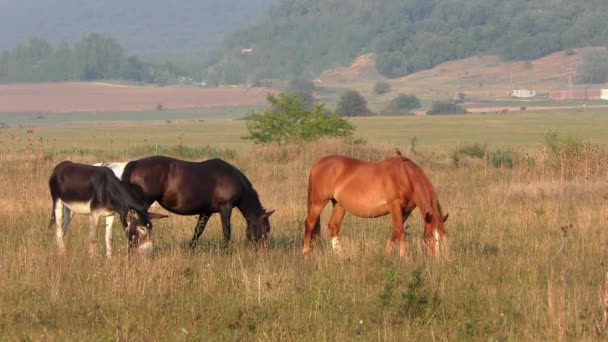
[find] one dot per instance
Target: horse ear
(267, 213)
(428, 217)
(445, 218)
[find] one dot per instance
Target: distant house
(604, 95)
(523, 93)
(580, 92)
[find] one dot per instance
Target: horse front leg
(226, 213)
(109, 222)
(201, 223)
(397, 233)
(60, 225)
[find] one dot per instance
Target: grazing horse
(97, 192)
(200, 188)
(118, 168)
(371, 189)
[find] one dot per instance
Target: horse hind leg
(312, 225)
(337, 215)
(201, 223)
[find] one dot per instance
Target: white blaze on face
(437, 240)
(145, 245)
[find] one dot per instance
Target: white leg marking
(335, 244)
(109, 222)
(59, 226)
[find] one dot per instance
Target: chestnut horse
(371, 189)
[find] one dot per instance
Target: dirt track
(102, 97)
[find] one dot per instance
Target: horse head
(259, 227)
(434, 230)
(138, 228)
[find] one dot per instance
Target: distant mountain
(140, 26)
(300, 38)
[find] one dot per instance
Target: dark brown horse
(371, 189)
(199, 188)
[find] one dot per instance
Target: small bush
(502, 159)
(351, 103)
(382, 87)
(474, 150)
(418, 303)
(445, 108)
(402, 104)
(289, 119)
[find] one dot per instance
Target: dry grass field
(479, 76)
(528, 244)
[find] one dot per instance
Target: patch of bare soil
(106, 97)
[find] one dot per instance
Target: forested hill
(300, 38)
(140, 26)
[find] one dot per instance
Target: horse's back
(186, 187)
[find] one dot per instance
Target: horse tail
(53, 184)
(317, 226)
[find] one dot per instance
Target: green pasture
(433, 134)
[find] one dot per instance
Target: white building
(525, 93)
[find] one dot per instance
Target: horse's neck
(250, 205)
(425, 197)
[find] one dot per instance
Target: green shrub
(502, 158)
(382, 87)
(474, 150)
(351, 103)
(289, 119)
(402, 104)
(444, 108)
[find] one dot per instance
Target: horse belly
(83, 208)
(364, 207)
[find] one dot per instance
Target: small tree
(402, 104)
(593, 68)
(351, 103)
(445, 107)
(382, 87)
(303, 88)
(289, 119)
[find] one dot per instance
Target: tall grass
(527, 258)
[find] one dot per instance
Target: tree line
(300, 38)
(93, 57)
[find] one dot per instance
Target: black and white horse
(97, 192)
(118, 168)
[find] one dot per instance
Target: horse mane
(423, 188)
(252, 198)
(127, 195)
